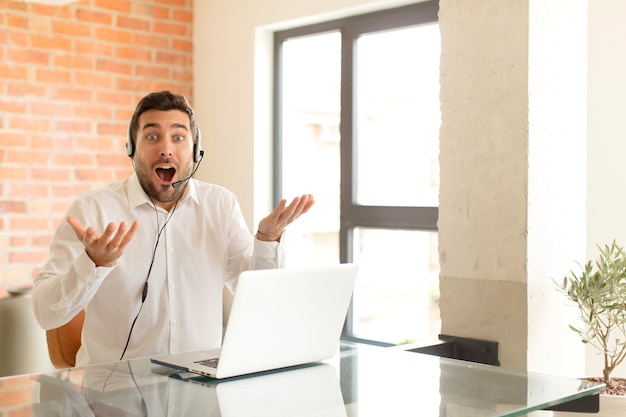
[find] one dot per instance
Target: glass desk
(359, 381)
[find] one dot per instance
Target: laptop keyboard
(211, 363)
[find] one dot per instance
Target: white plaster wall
(606, 176)
(557, 62)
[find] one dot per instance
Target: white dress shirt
(204, 244)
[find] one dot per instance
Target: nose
(166, 149)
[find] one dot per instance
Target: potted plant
(599, 291)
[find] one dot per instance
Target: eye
(151, 137)
(179, 138)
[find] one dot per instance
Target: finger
(79, 230)
(129, 236)
(124, 235)
(90, 237)
(299, 206)
(108, 234)
(115, 240)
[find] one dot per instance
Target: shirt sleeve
(69, 280)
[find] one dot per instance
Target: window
(357, 124)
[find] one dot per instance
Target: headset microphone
(177, 183)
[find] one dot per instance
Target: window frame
(353, 215)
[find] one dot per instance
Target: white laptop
(279, 318)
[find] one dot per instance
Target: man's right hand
(104, 249)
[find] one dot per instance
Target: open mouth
(166, 174)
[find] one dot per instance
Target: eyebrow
(173, 125)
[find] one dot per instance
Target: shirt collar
(137, 196)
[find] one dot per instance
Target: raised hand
(104, 249)
(272, 226)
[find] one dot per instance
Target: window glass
(397, 134)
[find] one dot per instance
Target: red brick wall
(70, 77)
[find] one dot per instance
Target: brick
(91, 79)
(72, 61)
(94, 16)
(111, 128)
(113, 35)
(70, 190)
(16, 21)
(93, 111)
(132, 84)
(12, 106)
(172, 28)
(13, 71)
(47, 141)
(27, 158)
(18, 190)
(73, 126)
(118, 98)
(183, 45)
(74, 159)
(28, 223)
(183, 16)
(50, 174)
(133, 23)
(152, 10)
(184, 76)
(52, 76)
(173, 58)
(8, 172)
(72, 29)
(30, 256)
(59, 12)
(26, 89)
(121, 174)
(111, 160)
(110, 65)
(46, 108)
(50, 42)
(13, 38)
(73, 94)
(95, 174)
(93, 48)
(116, 5)
(30, 124)
(27, 56)
(177, 3)
(41, 241)
(156, 41)
(152, 71)
(9, 206)
(16, 241)
(134, 54)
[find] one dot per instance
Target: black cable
(144, 292)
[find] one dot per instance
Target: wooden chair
(64, 341)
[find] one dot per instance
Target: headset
(197, 145)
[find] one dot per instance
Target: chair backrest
(64, 341)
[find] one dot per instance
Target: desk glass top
(359, 381)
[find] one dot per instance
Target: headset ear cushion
(130, 146)
(198, 153)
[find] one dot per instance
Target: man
(147, 257)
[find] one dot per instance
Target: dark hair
(162, 100)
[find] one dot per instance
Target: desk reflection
(141, 389)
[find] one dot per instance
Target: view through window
(358, 126)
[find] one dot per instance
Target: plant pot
(610, 406)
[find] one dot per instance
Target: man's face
(163, 154)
